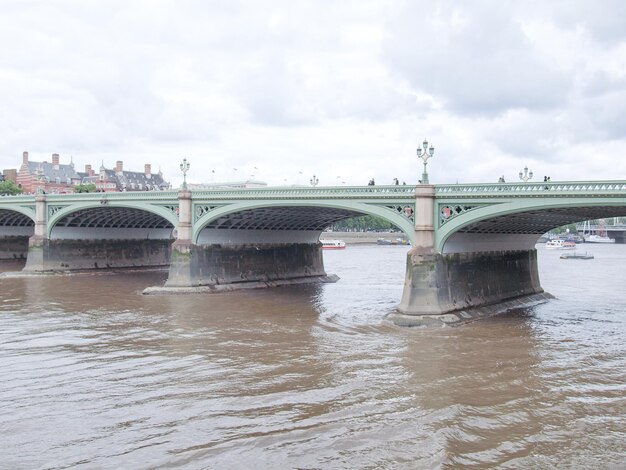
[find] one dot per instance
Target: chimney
(147, 169)
(88, 170)
(25, 157)
(55, 160)
(119, 166)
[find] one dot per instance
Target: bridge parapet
(546, 189)
(328, 192)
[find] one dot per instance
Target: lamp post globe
(526, 175)
(184, 167)
(425, 154)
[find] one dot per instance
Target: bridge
(473, 244)
(616, 232)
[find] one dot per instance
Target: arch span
(16, 222)
(285, 221)
(93, 235)
(517, 225)
(111, 221)
(16, 227)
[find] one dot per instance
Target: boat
(396, 241)
(576, 256)
(558, 244)
(600, 236)
(333, 244)
(598, 239)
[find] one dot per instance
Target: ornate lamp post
(314, 180)
(184, 167)
(425, 154)
(527, 175)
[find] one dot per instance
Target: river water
(95, 375)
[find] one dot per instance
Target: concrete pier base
(268, 263)
(46, 255)
(437, 284)
(240, 285)
(461, 317)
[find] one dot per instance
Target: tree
(366, 223)
(85, 188)
(9, 188)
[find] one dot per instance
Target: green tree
(9, 188)
(365, 223)
(85, 188)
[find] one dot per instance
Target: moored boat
(333, 244)
(598, 239)
(576, 256)
(397, 241)
(558, 244)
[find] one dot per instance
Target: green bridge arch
(497, 209)
(64, 211)
(403, 223)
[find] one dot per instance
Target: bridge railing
(308, 192)
(527, 189)
(272, 192)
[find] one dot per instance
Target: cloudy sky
(346, 90)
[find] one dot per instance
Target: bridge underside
(271, 244)
(520, 231)
(15, 230)
(103, 237)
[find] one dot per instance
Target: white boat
(560, 245)
(333, 244)
(598, 239)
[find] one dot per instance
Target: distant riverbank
(352, 238)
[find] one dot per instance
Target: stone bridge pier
(437, 283)
(226, 259)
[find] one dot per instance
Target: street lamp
(184, 167)
(314, 180)
(425, 154)
(527, 175)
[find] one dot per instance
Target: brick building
(53, 178)
(57, 178)
(118, 179)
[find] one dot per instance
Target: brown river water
(95, 375)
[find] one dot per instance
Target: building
(118, 180)
(53, 178)
(10, 175)
(57, 178)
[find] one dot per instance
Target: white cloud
(344, 89)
